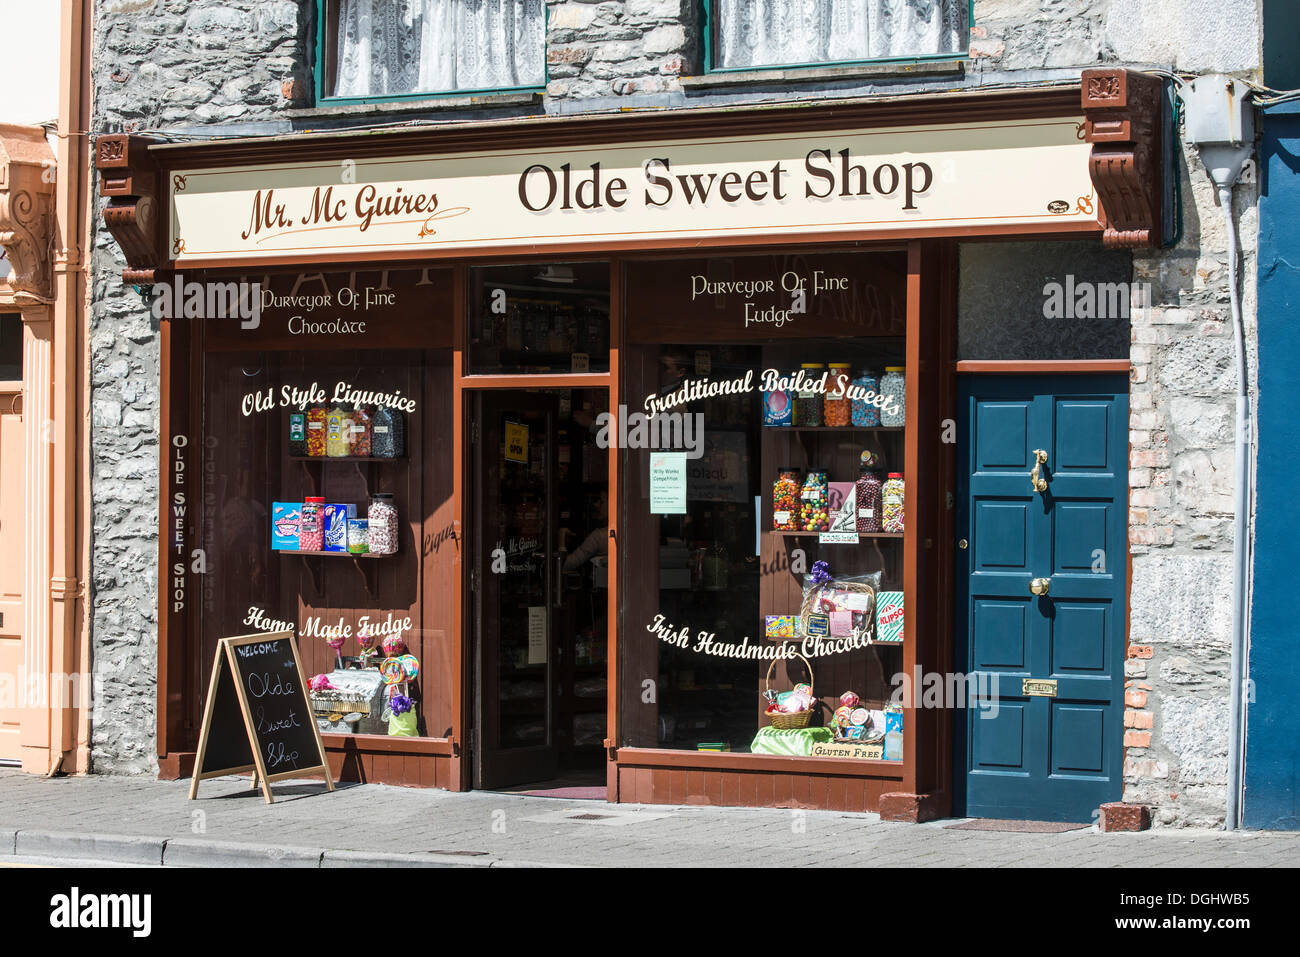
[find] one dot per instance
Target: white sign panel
(1018, 173)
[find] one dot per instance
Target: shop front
(637, 454)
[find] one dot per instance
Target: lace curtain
(757, 33)
(391, 47)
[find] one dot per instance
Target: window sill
(812, 74)
(421, 105)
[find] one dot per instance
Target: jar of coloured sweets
(808, 400)
(311, 528)
(865, 412)
(338, 428)
(892, 494)
(381, 517)
(868, 495)
(388, 431)
(836, 407)
(358, 536)
(786, 502)
(316, 426)
(359, 440)
(893, 387)
(814, 515)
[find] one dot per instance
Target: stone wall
(1182, 427)
(596, 49)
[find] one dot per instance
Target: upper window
(392, 48)
(746, 34)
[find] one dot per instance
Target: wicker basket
(813, 595)
(799, 719)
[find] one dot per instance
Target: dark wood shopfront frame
(1118, 106)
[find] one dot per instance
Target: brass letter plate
(1038, 687)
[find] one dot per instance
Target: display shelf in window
(286, 551)
(788, 533)
(344, 459)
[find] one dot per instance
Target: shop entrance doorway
(539, 519)
(1041, 594)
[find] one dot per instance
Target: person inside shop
(596, 544)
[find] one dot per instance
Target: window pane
(398, 47)
(713, 560)
(551, 317)
(11, 348)
(326, 499)
(757, 33)
(1066, 300)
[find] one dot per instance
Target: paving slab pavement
(146, 822)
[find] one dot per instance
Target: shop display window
(326, 505)
(551, 317)
(763, 512)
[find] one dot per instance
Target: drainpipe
(1221, 125)
(69, 724)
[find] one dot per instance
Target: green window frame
(708, 20)
(323, 98)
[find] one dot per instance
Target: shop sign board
(976, 177)
(849, 749)
(258, 716)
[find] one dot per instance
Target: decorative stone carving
(1123, 111)
(129, 178)
(27, 177)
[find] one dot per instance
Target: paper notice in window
(537, 635)
(667, 483)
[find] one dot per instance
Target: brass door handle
(1035, 477)
(1040, 586)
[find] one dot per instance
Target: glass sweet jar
(381, 517)
(786, 502)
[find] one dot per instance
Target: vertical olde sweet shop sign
(975, 176)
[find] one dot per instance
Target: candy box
(843, 502)
(841, 624)
(285, 517)
(893, 721)
(781, 626)
(889, 616)
(778, 407)
(336, 526)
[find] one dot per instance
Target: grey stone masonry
(241, 67)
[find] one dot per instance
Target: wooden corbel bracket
(1123, 122)
(130, 179)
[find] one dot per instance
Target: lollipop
(842, 715)
(410, 667)
(320, 683)
(366, 640)
(390, 669)
(804, 689)
(849, 700)
(335, 641)
(394, 645)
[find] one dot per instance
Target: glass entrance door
(516, 581)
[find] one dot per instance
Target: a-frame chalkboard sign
(258, 717)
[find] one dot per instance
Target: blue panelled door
(1041, 603)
